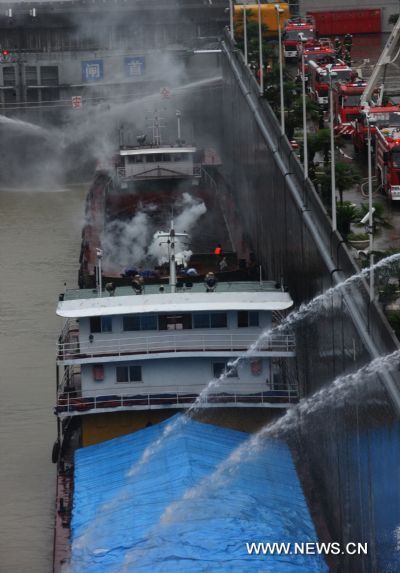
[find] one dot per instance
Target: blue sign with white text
(92, 70)
(134, 66)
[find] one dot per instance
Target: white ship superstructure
(159, 349)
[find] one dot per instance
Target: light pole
(303, 39)
(261, 60)
(99, 254)
(370, 213)
(333, 167)
(231, 19)
(279, 11)
(246, 57)
(178, 117)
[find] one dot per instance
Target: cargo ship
(170, 301)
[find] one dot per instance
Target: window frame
(210, 316)
(101, 327)
(140, 318)
(233, 373)
(247, 317)
(130, 378)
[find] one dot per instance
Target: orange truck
(269, 17)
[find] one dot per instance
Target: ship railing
(72, 403)
(121, 172)
(69, 333)
(182, 342)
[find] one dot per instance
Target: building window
(126, 374)
(32, 95)
(220, 368)
(50, 94)
(9, 76)
(139, 322)
(210, 320)
(31, 78)
(175, 322)
(101, 324)
(247, 318)
(49, 75)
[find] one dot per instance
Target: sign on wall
(134, 66)
(76, 102)
(92, 70)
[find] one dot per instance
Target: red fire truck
(347, 105)
(319, 79)
(387, 158)
(292, 29)
(382, 116)
(321, 54)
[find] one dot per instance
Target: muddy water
(39, 246)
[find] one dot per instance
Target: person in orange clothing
(218, 250)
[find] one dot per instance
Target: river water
(39, 248)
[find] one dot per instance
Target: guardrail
(69, 403)
(182, 342)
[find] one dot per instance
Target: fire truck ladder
(388, 56)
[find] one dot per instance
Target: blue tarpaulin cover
(116, 523)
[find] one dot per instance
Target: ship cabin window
(101, 324)
(175, 322)
(247, 318)
(126, 374)
(140, 322)
(222, 368)
(210, 320)
(135, 158)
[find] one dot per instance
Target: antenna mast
(171, 238)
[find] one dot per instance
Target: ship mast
(156, 129)
(171, 238)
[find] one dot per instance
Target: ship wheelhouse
(158, 350)
(156, 162)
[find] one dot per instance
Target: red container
(341, 22)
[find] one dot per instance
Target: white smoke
(125, 242)
(184, 222)
(191, 212)
(134, 242)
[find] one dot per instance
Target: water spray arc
(225, 472)
(305, 311)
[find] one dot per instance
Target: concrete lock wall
(349, 444)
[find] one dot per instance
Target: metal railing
(182, 342)
(72, 403)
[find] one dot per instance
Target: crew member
(348, 42)
(218, 250)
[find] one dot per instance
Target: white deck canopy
(177, 302)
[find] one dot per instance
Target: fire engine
(319, 79)
(381, 116)
(292, 29)
(347, 105)
(387, 158)
(321, 53)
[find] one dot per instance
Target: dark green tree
(347, 176)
